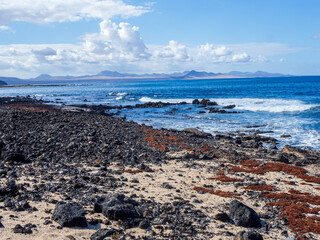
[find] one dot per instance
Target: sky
(79, 37)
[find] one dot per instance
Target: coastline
(81, 155)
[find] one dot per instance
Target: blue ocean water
(275, 106)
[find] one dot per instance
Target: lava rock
(69, 215)
(9, 190)
(229, 106)
(15, 157)
(243, 215)
(144, 224)
(102, 234)
(207, 102)
(116, 207)
(223, 217)
(27, 229)
(248, 236)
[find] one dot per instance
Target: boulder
(196, 101)
(69, 215)
(116, 207)
(243, 215)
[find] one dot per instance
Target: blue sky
(84, 37)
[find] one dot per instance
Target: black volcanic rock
(69, 215)
(101, 234)
(207, 102)
(14, 157)
(10, 189)
(115, 207)
(248, 236)
(243, 215)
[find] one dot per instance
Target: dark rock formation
(248, 236)
(69, 215)
(103, 233)
(116, 206)
(243, 215)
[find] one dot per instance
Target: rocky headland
(75, 172)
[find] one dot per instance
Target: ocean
(272, 106)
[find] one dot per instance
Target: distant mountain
(12, 80)
(2, 83)
(195, 74)
(256, 74)
(113, 75)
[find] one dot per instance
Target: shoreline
(182, 180)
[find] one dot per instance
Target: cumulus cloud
(241, 57)
(116, 41)
(174, 51)
(50, 11)
(214, 51)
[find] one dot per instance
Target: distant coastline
(112, 75)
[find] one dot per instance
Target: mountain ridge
(114, 75)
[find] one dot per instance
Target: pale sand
(182, 179)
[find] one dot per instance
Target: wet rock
(229, 106)
(116, 207)
(207, 102)
(196, 101)
(69, 215)
(285, 136)
(102, 234)
(243, 215)
(248, 236)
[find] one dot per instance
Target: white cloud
(174, 51)
(41, 12)
(120, 47)
(4, 28)
(116, 41)
(241, 57)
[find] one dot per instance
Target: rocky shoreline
(74, 172)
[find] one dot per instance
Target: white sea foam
(250, 104)
(266, 105)
(147, 99)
